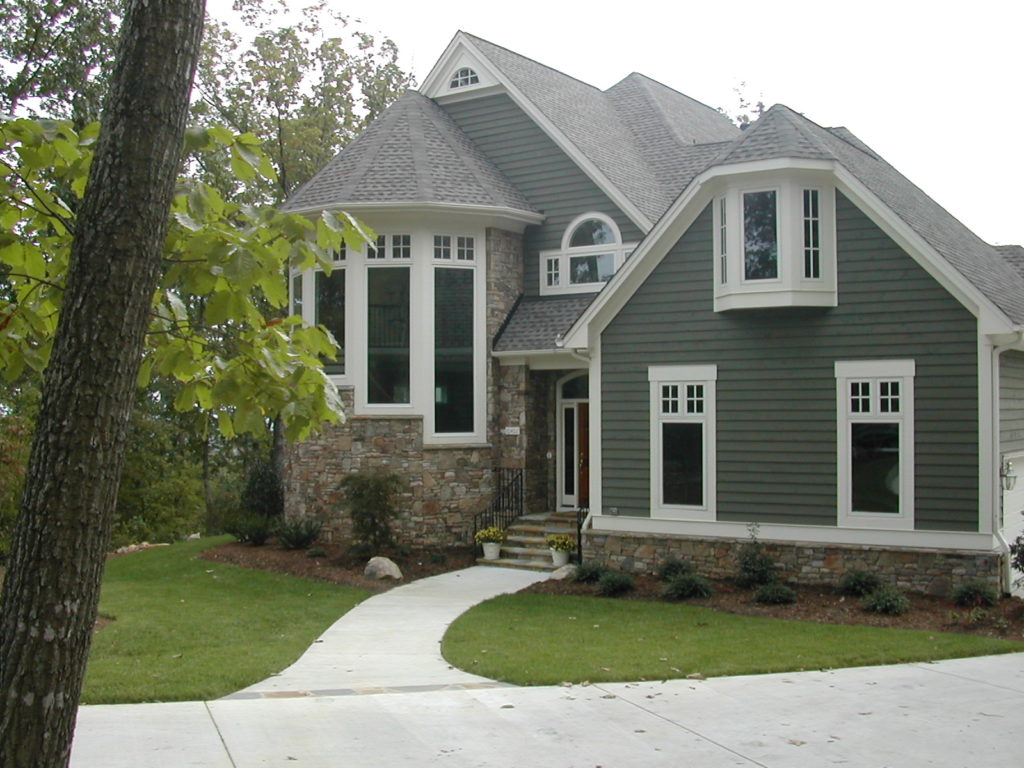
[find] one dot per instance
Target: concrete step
(526, 565)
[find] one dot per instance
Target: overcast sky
(934, 88)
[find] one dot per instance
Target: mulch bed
(337, 566)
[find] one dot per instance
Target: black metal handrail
(581, 515)
(507, 502)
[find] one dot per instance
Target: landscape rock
(563, 573)
(382, 568)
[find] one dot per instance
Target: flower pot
(559, 558)
(492, 550)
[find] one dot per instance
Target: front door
(573, 463)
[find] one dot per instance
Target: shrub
(590, 572)
(1017, 556)
(673, 567)
(886, 600)
(858, 584)
(755, 566)
(975, 594)
(299, 533)
(775, 594)
(684, 586)
(252, 529)
(613, 584)
(316, 552)
(263, 495)
(369, 500)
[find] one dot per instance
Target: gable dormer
(460, 74)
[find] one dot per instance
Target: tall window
(453, 350)
(812, 235)
(330, 313)
(760, 236)
(387, 331)
(875, 400)
(683, 440)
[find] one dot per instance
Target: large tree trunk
(57, 555)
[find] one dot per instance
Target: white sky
(934, 87)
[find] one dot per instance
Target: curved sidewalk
(374, 691)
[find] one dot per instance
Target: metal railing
(582, 513)
(507, 503)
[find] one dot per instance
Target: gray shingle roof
(413, 152)
(536, 322)
(781, 132)
(1013, 254)
(609, 128)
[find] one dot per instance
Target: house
(678, 326)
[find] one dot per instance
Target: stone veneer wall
(445, 486)
(932, 571)
(541, 444)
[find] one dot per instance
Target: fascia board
(539, 359)
(563, 143)
(509, 214)
(991, 319)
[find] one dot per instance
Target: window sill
(775, 298)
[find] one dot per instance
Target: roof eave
(483, 211)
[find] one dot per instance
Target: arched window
(463, 77)
(592, 251)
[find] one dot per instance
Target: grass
(188, 629)
(534, 639)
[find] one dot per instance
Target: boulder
(382, 568)
(563, 573)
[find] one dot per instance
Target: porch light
(1008, 475)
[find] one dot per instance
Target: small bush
(685, 586)
(263, 495)
(316, 552)
(590, 572)
(252, 529)
(673, 567)
(369, 497)
(975, 594)
(886, 600)
(756, 567)
(299, 534)
(613, 584)
(858, 584)
(775, 594)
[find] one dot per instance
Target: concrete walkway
(375, 692)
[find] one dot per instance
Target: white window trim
(707, 376)
(421, 331)
(847, 371)
(619, 250)
(732, 290)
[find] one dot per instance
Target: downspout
(997, 509)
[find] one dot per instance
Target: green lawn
(186, 628)
(532, 639)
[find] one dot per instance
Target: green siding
(776, 381)
(540, 170)
(1011, 402)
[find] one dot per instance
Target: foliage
(887, 600)
(560, 542)
(370, 500)
(224, 264)
(858, 583)
(613, 584)
(57, 53)
(775, 593)
(1017, 556)
(975, 594)
(188, 629)
(305, 86)
(252, 529)
(589, 572)
(755, 565)
(17, 410)
(492, 534)
(263, 495)
(684, 585)
(673, 567)
(299, 533)
(539, 639)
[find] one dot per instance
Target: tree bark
(56, 562)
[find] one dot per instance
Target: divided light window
(760, 236)
(592, 251)
(683, 440)
(463, 77)
(812, 235)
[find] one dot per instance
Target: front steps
(525, 546)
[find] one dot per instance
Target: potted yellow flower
(491, 537)
(560, 545)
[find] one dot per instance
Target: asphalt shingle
(537, 322)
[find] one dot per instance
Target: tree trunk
(57, 555)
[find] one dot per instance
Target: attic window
(463, 77)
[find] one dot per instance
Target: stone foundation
(931, 571)
(443, 487)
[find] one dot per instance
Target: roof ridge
(676, 91)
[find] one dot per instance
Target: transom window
(391, 247)
(683, 441)
(876, 443)
(463, 77)
(591, 253)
